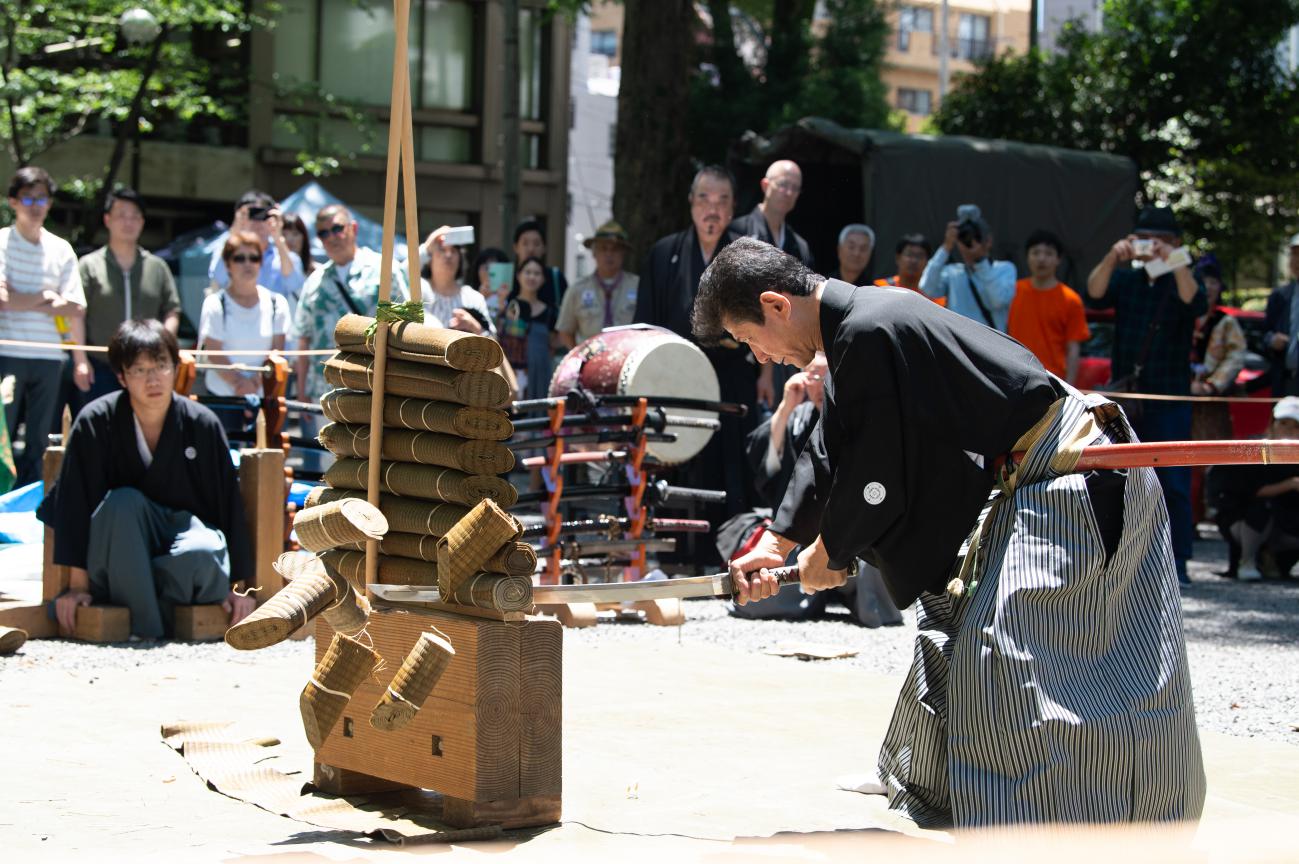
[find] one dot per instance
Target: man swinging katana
(1049, 682)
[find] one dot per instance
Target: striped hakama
(1057, 690)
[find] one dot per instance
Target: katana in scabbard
(597, 526)
(715, 585)
(609, 436)
(583, 457)
(659, 493)
(1184, 454)
(654, 420)
(581, 548)
(585, 401)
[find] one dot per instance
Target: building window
(604, 42)
(972, 42)
(915, 101)
(344, 47)
(912, 19)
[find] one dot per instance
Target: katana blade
(653, 420)
(622, 523)
(614, 436)
(714, 585)
(584, 400)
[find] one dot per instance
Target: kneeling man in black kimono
(146, 511)
(1050, 681)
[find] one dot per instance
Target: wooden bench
(264, 487)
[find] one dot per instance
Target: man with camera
(281, 271)
(978, 287)
(1156, 299)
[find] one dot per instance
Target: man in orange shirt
(1047, 315)
(910, 256)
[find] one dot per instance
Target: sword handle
(784, 576)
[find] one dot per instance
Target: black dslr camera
(968, 233)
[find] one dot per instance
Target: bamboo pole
(408, 194)
(400, 89)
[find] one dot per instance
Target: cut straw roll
(423, 481)
(425, 448)
(11, 639)
(421, 343)
(414, 681)
(392, 570)
(483, 424)
(346, 664)
(291, 565)
(350, 613)
(402, 378)
(493, 591)
(338, 523)
(410, 515)
(515, 558)
(292, 607)
(471, 541)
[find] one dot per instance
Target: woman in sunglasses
(242, 316)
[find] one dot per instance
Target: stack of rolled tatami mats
(443, 465)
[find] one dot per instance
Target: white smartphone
(462, 236)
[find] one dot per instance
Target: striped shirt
(30, 268)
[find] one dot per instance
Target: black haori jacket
(916, 399)
(191, 470)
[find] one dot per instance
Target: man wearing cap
(1282, 336)
(976, 286)
(1154, 322)
(767, 221)
(1258, 505)
(606, 298)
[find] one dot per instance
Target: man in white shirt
(41, 300)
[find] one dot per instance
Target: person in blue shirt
(281, 271)
(976, 286)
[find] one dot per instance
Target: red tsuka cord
(1171, 454)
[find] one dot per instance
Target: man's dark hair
(914, 240)
(529, 225)
(254, 198)
(30, 175)
(141, 338)
(717, 172)
(123, 193)
(1042, 237)
(736, 278)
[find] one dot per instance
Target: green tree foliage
(1193, 91)
(835, 74)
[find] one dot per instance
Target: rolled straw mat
(421, 343)
(346, 664)
(402, 378)
(353, 406)
(338, 523)
(409, 515)
(423, 481)
(425, 448)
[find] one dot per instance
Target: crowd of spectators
(1171, 336)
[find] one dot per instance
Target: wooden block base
(30, 618)
(663, 613)
(342, 782)
(574, 615)
(528, 812)
(200, 623)
(103, 624)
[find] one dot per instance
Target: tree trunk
(651, 154)
(787, 60)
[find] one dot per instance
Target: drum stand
(661, 612)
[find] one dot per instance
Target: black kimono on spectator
(914, 395)
(770, 485)
(191, 471)
(754, 225)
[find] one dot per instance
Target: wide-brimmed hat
(610, 230)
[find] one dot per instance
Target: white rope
(242, 352)
(322, 688)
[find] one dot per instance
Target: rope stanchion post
(275, 387)
(186, 374)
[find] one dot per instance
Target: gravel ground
(1241, 638)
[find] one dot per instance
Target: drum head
(673, 367)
